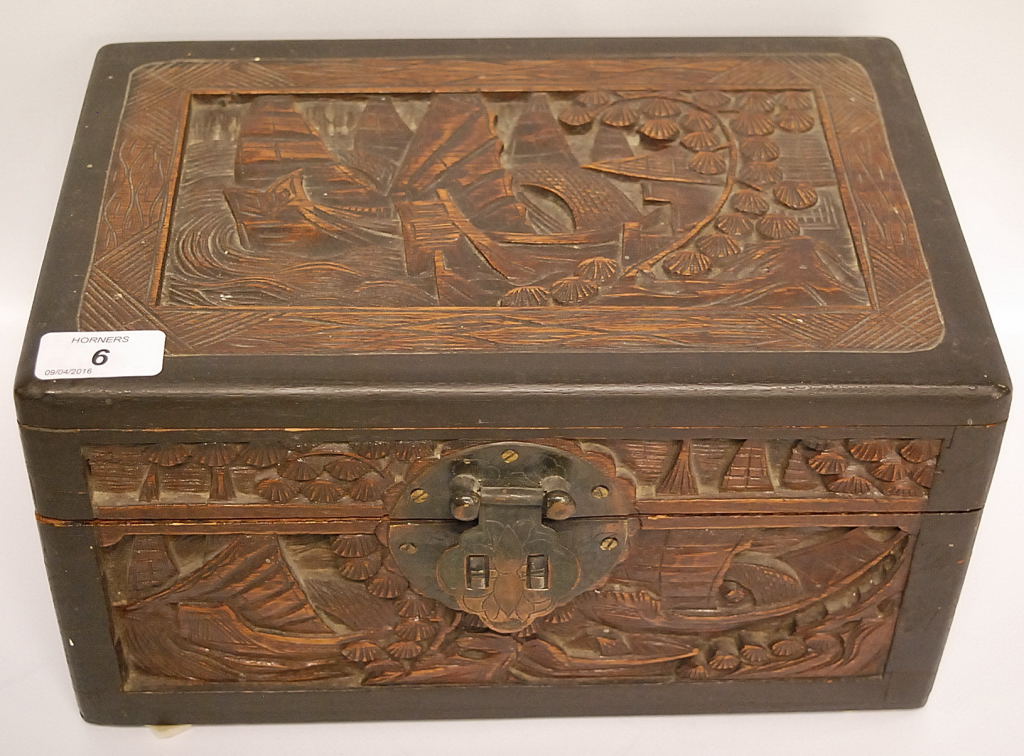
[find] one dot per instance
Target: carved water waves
(716, 203)
(512, 199)
(303, 588)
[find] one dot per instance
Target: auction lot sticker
(99, 354)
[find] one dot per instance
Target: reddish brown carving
(548, 214)
(302, 587)
(307, 208)
(362, 479)
(738, 600)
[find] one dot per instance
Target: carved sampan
(544, 526)
(551, 368)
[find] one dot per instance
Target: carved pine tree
(160, 455)
(217, 457)
(150, 490)
(679, 479)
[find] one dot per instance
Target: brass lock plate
(510, 531)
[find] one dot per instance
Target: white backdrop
(965, 59)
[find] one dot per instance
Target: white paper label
(100, 354)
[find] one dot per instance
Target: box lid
(536, 234)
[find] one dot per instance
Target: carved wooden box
(644, 376)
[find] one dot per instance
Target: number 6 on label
(99, 354)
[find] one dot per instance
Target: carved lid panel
(729, 203)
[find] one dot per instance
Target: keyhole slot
(538, 572)
(478, 572)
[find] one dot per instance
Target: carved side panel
(737, 600)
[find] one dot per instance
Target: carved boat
(283, 216)
(528, 209)
(240, 615)
(454, 183)
(291, 191)
(717, 581)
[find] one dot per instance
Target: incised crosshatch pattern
(709, 202)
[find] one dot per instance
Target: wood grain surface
(382, 205)
(261, 564)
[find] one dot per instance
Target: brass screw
(408, 548)
(510, 455)
(609, 544)
(419, 495)
(599, 492)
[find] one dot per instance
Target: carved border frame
(122, 288)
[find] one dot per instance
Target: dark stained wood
(692, 265)
(686, 591)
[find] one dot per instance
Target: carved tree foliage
(740, 597)
(364, 477)
(729, 203)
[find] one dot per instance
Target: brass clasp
(509, 532)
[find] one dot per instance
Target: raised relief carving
(367, 478)
(705, 201)
(701, 468)
(688, 603)
(670, 596)
(485, 200)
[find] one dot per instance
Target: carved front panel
(344, 564)
(363, 479)
(725, 203)
(738, 600)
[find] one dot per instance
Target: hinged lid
(394, 235)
